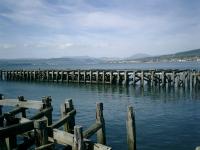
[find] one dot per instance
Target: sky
(97, 28)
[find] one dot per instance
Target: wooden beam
(41, 113)
(28, 104)
(45, 147)
(16, 129)
(62, 137)
(91, 130)
(62, 121)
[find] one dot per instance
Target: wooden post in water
(34, 75)
(41, 133)
(1, 97)
(97, 76)
(163, 78)
(78, 76)
(12, 140)
(103, 77)
(131, 131)
(0, 74)
(21, 98)
(67, 76)
(125, 78)
(142, 79)
(152, 78)
(90, 76)
(66, 108)
(118, 77)
(47, 104)
(111, 77)
(84, 76)
(78, 138)
(101, 133)
(195, 80)
(3, 145)
(191, 80)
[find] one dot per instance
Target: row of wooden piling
(164, 78)
(40, 132)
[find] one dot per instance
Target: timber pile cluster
(164, 78)
(39, 132)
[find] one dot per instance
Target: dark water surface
(166, 119)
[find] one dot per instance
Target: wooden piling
(65, 109)
(1, 97)
(12, 140)
(23, 110)
(78, 138)
(101, 133)
(41, 133)
(142, 79)
(131, 131)
(47, 104)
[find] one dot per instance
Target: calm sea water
(167, 119)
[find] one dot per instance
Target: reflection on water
(166, 118)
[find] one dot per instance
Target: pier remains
(163, 78)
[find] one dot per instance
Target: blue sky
(99, 28)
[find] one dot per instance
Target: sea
(166, 118)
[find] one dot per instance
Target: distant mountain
(195, 52)
(190, 55)
(138, 56)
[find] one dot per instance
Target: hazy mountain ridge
(191, 55)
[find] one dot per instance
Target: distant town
(191, 55)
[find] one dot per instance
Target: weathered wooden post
(97, 76)
(1, 119)
(195, 80)
(177, 80)
(84, 76)
(41, 133)
(152, 78)
(111, 77)
(61, 76)
(21, 98)
(131, 129)
(90, 74)
(73, 74)
(78, 138)
(47, 104)
(12, 140)
(126, 80)
(133, 76)
(78, 76)
(67, 76)
(0, 74)
(3, 145)
(34, 75)
(118, 77)
(66, 108)
(191, 80)
(142, 79)
(163, 79)
(1, 97)
(103, 77)
(101, 133)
